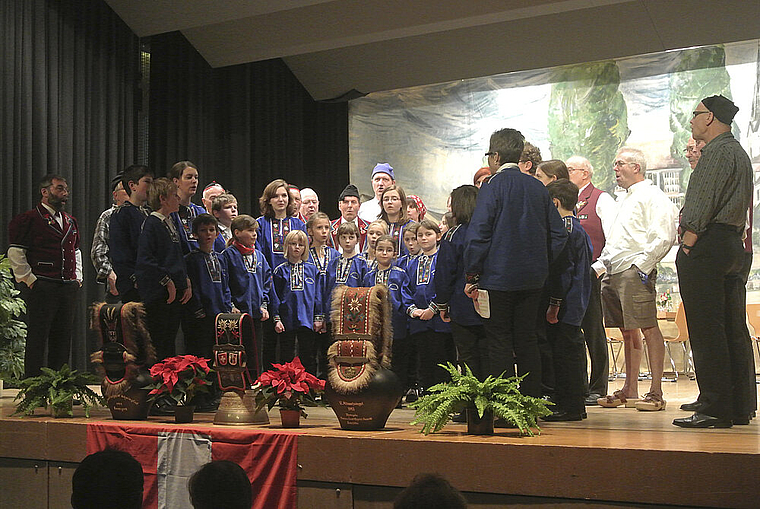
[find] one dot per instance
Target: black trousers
(401, 359)
(200, 336)
(711, 286)
(472, 348)
(596, 341)
(510, 332)
(308, 344)
(544, 347)
(569, 362)
(434, 348)
(163, 324)
(50, 308)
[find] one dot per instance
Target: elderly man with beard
(44, 254)
(382, 178)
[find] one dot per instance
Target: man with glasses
(44, 254)
(710, 263)
(593, 208)
(510, 259)
(640, 234)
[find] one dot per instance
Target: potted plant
(495, 397)
(12, 330)
(292, 387)
(57, 389)
(180, 378)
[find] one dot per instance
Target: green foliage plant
(498, 395)
(57, 389)
(12, 330)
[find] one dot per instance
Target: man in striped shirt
(709, 265)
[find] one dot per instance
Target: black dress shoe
(741, 420)
(692, 407)
(584, 415)
(591, 399)
(702, 421)
(562, 417)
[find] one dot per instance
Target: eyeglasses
(699, 112)
(491, 154)
(620, 164)
(570, 169)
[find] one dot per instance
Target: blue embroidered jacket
(250, 280)
(159, 258)
(271, 237)
(210, 279)
(183, 220)
(449, 278)
(123, 237)
(296, 300)
(568, 277)
(397, 281)
(421, 273)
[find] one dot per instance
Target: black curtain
(243, 125)
(67, 106)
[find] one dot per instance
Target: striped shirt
(720, 188)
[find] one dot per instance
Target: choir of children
(271, 269)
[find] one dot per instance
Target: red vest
(586, 212)
(50, 250)
(332, 239)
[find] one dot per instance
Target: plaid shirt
(99, 252)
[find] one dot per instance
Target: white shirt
(605, 208)
(370, 209)
(642, 230)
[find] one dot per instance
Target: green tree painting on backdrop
(700, 73)
(588, 116)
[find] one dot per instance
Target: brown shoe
(651, 403)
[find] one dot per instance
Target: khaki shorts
(627, 302)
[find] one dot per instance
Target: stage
(616, 457)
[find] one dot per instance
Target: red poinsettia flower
(179, 376)
(291, 382)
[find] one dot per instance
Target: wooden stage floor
(615, 457)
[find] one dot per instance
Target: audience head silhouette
(220, 485)
(108, 478)
(430, 491)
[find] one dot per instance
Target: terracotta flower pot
(290, 418)
(477, 425)
(183, 414)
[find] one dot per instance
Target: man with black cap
(382, 178)
(348, 203)
(709, 265)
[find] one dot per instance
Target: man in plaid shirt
(99, 252)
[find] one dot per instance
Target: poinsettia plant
(180, 377)
(290, 385)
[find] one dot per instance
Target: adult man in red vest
(44, 254)
(592, 203)
(348, 203)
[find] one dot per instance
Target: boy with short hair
(349, 268)
(569, 290)
(208, 274)
(160, 269)
(224, 208)
(125, 227)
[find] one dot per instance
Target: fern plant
(12, 330)
(498, 395)
(57, 389)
